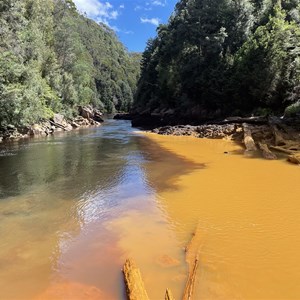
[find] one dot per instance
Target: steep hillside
(217, 58)
(53, 59)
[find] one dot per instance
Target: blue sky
(134, 21)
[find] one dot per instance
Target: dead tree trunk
(266, 152)
(169, 295)
(248, 139)
(134, 283)
(192, 258)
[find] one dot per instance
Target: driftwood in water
(190, 284)
(266, 152)
(169, 295)
(192, 251)
(248, 139)
(134, 284)
(295, 159)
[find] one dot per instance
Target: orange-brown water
(119, 194)
(248, 210)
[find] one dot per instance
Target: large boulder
(37, 130)
(86, 112)
(98, 116)
(90, 113)
(81, 121)
(61, 122)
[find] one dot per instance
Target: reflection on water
(74, 207)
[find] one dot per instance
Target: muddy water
(74, 207)
(248, 212)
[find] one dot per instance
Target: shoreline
(87, 116)
(267, 137)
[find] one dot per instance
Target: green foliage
(223, 56)
(52, 59)
(292, 109)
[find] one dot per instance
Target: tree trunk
(169, 295)
(266, 152)
(192, 251)
(248, 139)
(134, 283)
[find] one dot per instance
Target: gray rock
(37, 130)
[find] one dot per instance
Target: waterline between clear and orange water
(74, 207)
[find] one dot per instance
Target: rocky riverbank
(87, 116)
(267, 136)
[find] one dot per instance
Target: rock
(75, 125)
(57, 129)
(98, 116)
(86, 112)
(68, 127)
(60, 121)
(81, 121)
(37, 130)
(90, 113)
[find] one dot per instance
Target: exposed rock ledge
(267, 136)
(88, 116)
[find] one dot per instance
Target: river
(74, 207)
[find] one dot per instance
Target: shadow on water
(161, 166)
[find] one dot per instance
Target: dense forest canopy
(53, 59)
(224, 57)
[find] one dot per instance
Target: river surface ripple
(75, 206)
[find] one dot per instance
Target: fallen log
(266, 152)
(190, 284)
(278, 138)
(192, 251)
(248, 139)
(295, 159)
(134, 284)
(169, 295)
(283, 150)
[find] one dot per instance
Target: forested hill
(224, 57)
(53, 59)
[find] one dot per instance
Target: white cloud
(153, 21)
(150, 4)
(159, 2)
(138, 7)
(97, 10)
(122, 6)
